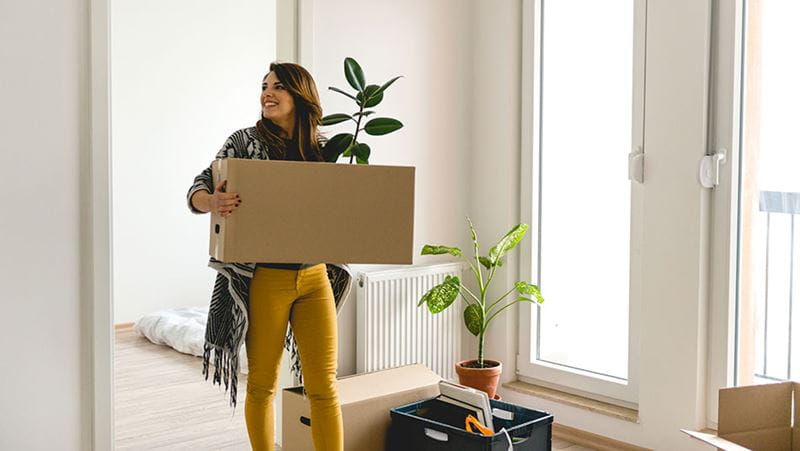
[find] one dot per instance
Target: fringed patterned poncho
(227, 322)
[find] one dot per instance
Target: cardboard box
(309, 212)
(757, 417)
(366, 400)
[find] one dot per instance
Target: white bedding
(182, 329)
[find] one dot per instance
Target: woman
(259, 300)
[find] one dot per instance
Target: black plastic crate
(530, 430)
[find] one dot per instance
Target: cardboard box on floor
(365, 400)
(310, 212)
(757, 417)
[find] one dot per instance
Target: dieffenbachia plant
(477, 315)
(366, 96)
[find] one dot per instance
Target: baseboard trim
(594, 441)
(123, 326)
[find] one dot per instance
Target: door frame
(294, 43)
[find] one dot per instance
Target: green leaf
(369, 94)
(336, 146)
(508, 242)
(441, 296)
(488, 263)
(354, 74)
(386, 85)
(342, 92)
(382, 126)
(527, 288)
(364, 113)
(473, 319)
(537, 302)
(349, 150)
(335, 118)
(438, 250)
(361, 151)
(472, 231)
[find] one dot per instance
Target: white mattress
(182, 329)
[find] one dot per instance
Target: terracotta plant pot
(484, 379)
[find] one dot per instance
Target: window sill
(603, 408)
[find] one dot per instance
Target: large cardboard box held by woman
(309, 212)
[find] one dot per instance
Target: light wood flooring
(162, 402)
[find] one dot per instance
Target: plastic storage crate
(529, 430)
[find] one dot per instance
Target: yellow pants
(304, 298)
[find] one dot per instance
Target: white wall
(494, 194)
(178, 91)
(44, 124)
(428, 42)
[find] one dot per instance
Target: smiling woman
(290, 113)
(257, 301)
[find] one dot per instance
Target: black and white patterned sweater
(227, 322)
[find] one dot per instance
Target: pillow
(182, 329)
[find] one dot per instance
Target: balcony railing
(777, 341)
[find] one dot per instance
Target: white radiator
(391, 329)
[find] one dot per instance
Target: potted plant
(366, 96)
(481, 373)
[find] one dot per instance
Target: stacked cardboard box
(366, 401)
(758, 417)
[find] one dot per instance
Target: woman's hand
(223, 203)
(220, 202)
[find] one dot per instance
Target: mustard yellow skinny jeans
(305, 299)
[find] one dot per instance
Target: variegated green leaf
(508, 242)
(530, 289)
(438, 250)
(488, 263)
(441, 296)
(473, 319)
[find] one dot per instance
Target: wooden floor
(162, 402)
(564, 445)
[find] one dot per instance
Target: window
(768, 345)
(753, 317)
(587, 111)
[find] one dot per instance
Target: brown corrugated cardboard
(365, 400)
(757, 417)
(309, 212)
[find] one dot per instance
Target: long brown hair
(307, 114)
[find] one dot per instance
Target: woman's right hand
(223, 203)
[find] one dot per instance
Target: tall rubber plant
(365, 96)
(478, 314)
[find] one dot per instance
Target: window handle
(636, 164)
(709, 168)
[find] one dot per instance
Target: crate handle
(502, 414)
(436, 435)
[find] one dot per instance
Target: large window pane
(769, 216)
(586, 120)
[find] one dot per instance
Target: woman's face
(277, 104)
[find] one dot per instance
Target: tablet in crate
(418, 426)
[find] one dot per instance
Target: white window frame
(609, 389)
(725, 133)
